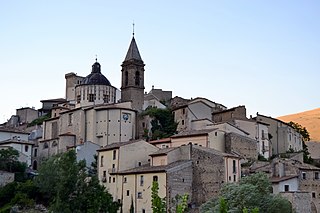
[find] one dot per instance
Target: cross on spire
(133, 28)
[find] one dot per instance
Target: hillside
(309, 119)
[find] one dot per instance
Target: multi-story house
(194, 109)
(291, 175)
(282, 137)
(258, 131)
(189, 169)
(23, 147)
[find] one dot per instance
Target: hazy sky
(262, 54)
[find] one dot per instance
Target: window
(114, 154)
(316, 175)
(141, 180)
(113, 166)
(78, 98)
(101, 161)
(128, 192)
(286, 188)
(155, 178)
(313, 195)
(182, 122)
(45, 145)
(104, 173)
(35, 152)
(304, 175)
(183, 111)
(216, 134)
(114, 180)
(262, 134)
(70, 118)
(126, 78)
(234, 178)
(26, 148)
(125, 179)
(109, 179)
(234, 167)
(137, 78)
(92, 97)
(143, 211)
(139, 195)
(139, 163)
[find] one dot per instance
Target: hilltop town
(189, 146)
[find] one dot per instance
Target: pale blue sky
(262, 54)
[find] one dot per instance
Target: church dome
(96, 77)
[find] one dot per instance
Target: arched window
(126, 78)
(137, 78)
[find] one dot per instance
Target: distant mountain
(309, 119)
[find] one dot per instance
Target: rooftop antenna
(133, 28)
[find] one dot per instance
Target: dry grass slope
(309, 119)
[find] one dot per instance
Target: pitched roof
(16, 141)
(193, 133)
(279, 179)
(150, 169)
(133, 52)
(163, 140)
(163, 151)
(117, 145)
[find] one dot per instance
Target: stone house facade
(229, 115)
(283, 137)
(291, 175)
(174, 168)
(244, 146)
(258, 131)
(194, 109)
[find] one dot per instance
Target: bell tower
(132, 85)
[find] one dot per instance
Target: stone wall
(6, 177)
(179, 182)
(229, 114)
(300, 201)
(209, 176)
(244, 146)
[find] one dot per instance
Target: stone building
(258, 131)
(229, 115)
(132, 84)
(128, 170)
(91, 111)
(194, 109)
(101, 125)
(243, 146)
(289, 175)
(282, 136)
(23, 147)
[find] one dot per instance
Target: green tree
(163, 124)
(158, 204)
(9, 162)
(67, 186)
(181, 203)
(305, 137)
(252, 194)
